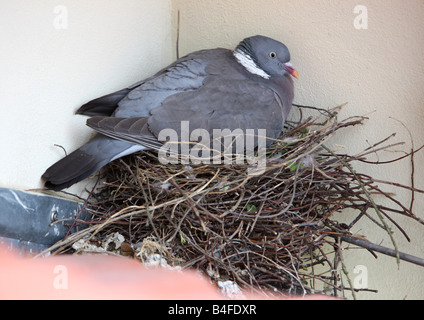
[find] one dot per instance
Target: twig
(178, 36)
(384, 250)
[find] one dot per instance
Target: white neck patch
(249, 64)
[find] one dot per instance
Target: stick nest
(268, 232)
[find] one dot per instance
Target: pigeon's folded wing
(216, 105)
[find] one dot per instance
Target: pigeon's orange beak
(290, 69)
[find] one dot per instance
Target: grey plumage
(249, 88)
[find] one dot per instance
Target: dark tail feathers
(85, 161)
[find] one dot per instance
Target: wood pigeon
(248, 88)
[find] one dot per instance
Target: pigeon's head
(265, 57)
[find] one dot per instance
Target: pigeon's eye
(273, 55)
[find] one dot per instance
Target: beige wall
(47, 73)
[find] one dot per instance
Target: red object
(95, 277)
(99, 277)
